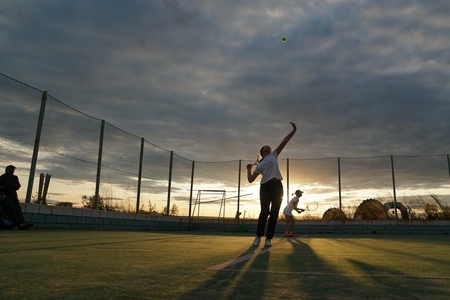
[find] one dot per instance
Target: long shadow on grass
(400, 285)
(245, 279)
(315, 278)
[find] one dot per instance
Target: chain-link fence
(96, 165)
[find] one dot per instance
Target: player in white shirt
(271, 189)
(292, 205)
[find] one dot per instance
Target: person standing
(271, 188)
(9, 184)
(292, 205)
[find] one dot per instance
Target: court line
(244, 257)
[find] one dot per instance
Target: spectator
(9, 184)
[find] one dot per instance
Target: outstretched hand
(287, 138)
(293, 125)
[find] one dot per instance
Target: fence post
(192, 187)
(99, 165)
(448, 165)
(393, 187)
(36, 146)
(287, 181)
(141, 157)
(170, 183)
(340, 191)
(239, 192)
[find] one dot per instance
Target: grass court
(67, 264)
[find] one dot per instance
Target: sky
(213, 80)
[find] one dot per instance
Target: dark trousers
(271, 196)
(12, 210)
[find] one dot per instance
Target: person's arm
(251, 176)
(15, 184)
(286, 139)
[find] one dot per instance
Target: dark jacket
(9, 184)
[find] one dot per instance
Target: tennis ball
(283, 39)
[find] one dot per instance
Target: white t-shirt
(268, 168)
(290, 207)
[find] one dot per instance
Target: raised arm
(251, 176)
(287, 138)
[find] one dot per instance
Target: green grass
(44, 264)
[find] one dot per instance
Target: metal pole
(239, 191)
(393, 187)
(448, 165)
(36, 147)
(99, 165)
(192, 187)
(340, 189)
(170, 183)
(141, 158)
(287, 180)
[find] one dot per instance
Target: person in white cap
(290, 220)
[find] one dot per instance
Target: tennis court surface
(60, 264)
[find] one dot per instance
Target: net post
(448, 165)
(393, 187)
(287, 180)
(239, 192)
(170, 183)
(99, 165)
(340, 190)
(192, 187)
(36, 146)
(141, 158)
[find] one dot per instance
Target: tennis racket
(312, 206)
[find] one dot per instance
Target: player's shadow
(315, 278)
(242, 280)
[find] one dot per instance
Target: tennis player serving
(271, 189)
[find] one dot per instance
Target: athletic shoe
(292, 234)
(287, 234)
(268, 243)
(25, 226)
(256, 241)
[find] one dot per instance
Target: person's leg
(292, 224)
(288, 225)
(264, 197)
(287, 222)
(12, 209)
(276, 196)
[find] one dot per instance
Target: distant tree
(89, 202)
(173, 211)
(151, 208)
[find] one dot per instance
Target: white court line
(243, 258)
